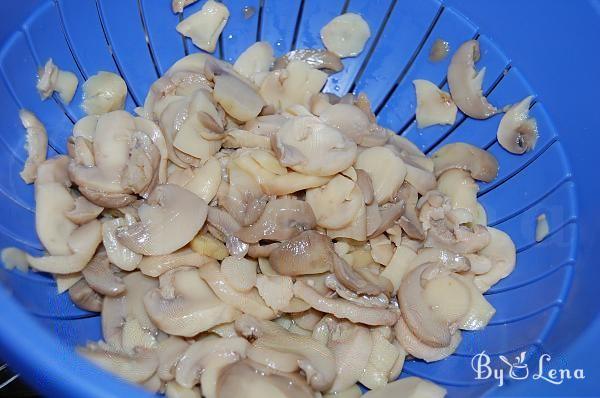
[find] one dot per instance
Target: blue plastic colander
(545, 48)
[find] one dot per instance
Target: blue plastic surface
(547, 305)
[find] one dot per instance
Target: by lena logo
(517, 369)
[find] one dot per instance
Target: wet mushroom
(460, 239)
(335, 204)
(169, 351)
(308, 253)
(317, 58)
(83, 296)
(205, 26)
(409, 387)
(418, 349)
(387, 171)
(242, 197)
(137, 367)
(517, 132)
(119, 254)
(480, 164)
(346, 34)
(501, 251)
(101, 278)
(36, 144)
(434, 106)
(83, 211)
(155, 266)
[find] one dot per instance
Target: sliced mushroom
(434, 106)
(378, 301)
(205, 180)
(226, 225)
(36, 145)
(83, 211)
(387, 171)
(53, 79)
(317, 58)
(355, 281)
(346, 34)
(341, 308)
(381, 250)
(465, 82)
(282, 219)
(311, 147)
(317, 361)
(83, 296)
(382, 358)
(501, 250)
(169, 219)
(240, 273)
(459, 239)
(275, 290)
(169, 351)
(103, 92)
(418, 349)
(137, 368)
(207, 245)
(256, 59)
(205, 26)
(119, 254)
(185, 305)
(355, 124)
(178, 5)
(258, 251)
(479, 163)
(308, 253)
(242, 197)
(53, 227)
(409, 387)
(335, 204)
(157, 265)
(101, 278)
(517, 132)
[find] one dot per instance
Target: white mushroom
(103, 92)
(517, 132)
(501, 250)
(398, 266)
(83, 211)
(461, 190)
(346, 34)
(53, 227)
(53, 79)
(240, 273)
(137, 368)
(119, 254)
(418, 349)
(542, 228)
(409, 387)
(275, 290)
(382, 358)
(169, 351)
(256, 59)
(14, 258)
(242, 196)
(157, 265)
(308, 253)
(101, 278)
(317, 58)
(169, 219)
(387, 171)
(205, 26)
(309, 146)
(465, 82)
(355, 124)
(434, 106)
(174, 390)
(83, 296)
(335, 204)
(36, 145)
(480, 164)
(178, 5)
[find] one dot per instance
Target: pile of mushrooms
(245, 234)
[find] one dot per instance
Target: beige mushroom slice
(14, 258)
(190, 146)
(409, 387)
(382, 358)
(309, 146)
(418, 349)
(185, 305)
(480, 164)
(119, 254)
(382, 250)
(434, 106)
(174, 390)
(317, 361)
(262, 251)
(398, 266)
(449, 298)
(53, 227)
(378, 301)
(101, 278)
(399, 364)
(316, 58)
(245, 139)
(83, 296)
(36, 145)
(256, 59)
(479, 264)
(169, 351)
(206, 179)
(53, 79)
(341, 308)
(459, 239)
(517, 132)
(308, 253)
(103, 92)
(465, 82)
(207, 245)
(335, 204)
(387, 171)
(249, 302)
(249, 379)
(207, 353)
(240, 273)
(275, 290)
(282, 219)
(178, 5)
(137, 367)
(169, 219)
(461, 190)
(82, 243)
(205, 26)
(352, 392)
(358, 282)
(542, 228)
(479, 312)
(501, 250)
(346, 34)
(273, 359)
(84, 211)
(226, 225)
(355, 124)
(155, 266)
(242, 197)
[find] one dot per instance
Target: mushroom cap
(317, 58)
(346, 34)
(481, 164)
(36, 144)
(137, 367)
(434, 106)
(337, 203)
(517, 132)
(169, 219)
(409, 387)
(387, 171)
(308, 253)
(101, 278)
(465, 82)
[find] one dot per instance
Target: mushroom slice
(185, 305)
(205, 353)
(137, 367)
(101, 278)
(346, 35)
(169, 351)
(205, 180)
(119, 254)
(282, 219)
(341, 308)
(517, 132)
(308, 253)
(242, 197)
(205, 26)
(83, 211)
(228, 227)
(169, 219)
(434, 106)
(366, 186)
(104, 92)
(379, 301)
(356, 281)
(275, 290)
(480, 164)
(14, 258)
(178, 5)
(387, 171)
(256, 59)
(418, 349)
(309, 146)
(240, 273)
(53, 227)
(82, 242)
(174, 390)
(459, 239)
(317, 361)
(207, 245)
(382, 358)
(349, 119)
(83, 296)
(246, 378)
(465, 82)
(316, 58)
(381, 250)
(409, 387)
(501, 250)
(36, 145)
(249, 302)
(335, 204)
(155, 266)
(53, 79)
